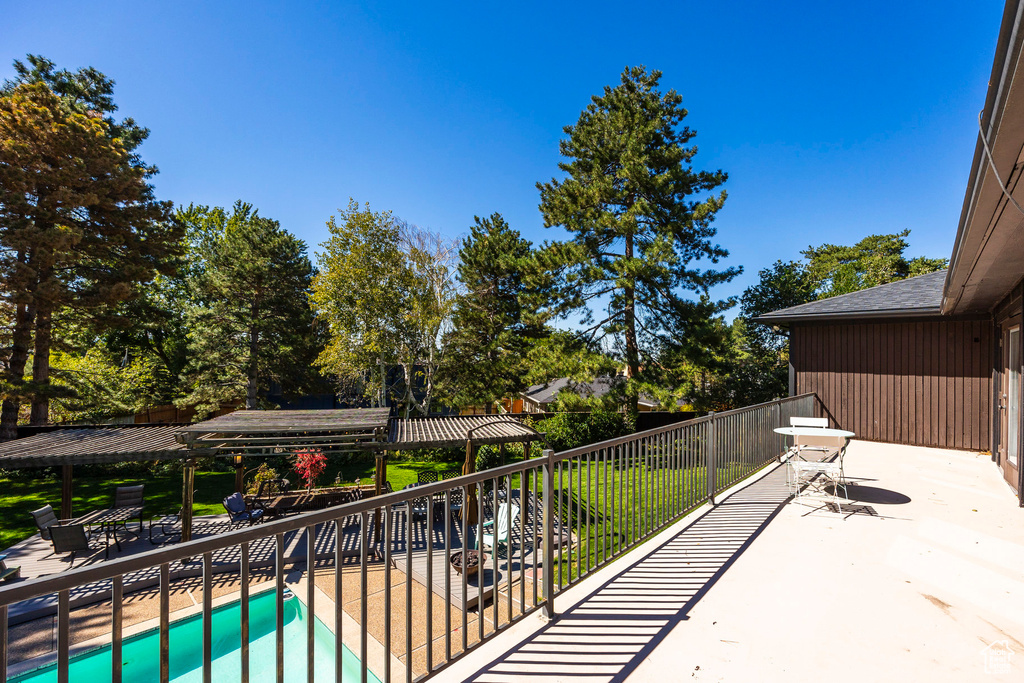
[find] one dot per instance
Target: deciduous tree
(385, 292)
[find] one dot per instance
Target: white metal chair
(818, 478)
(500, 531)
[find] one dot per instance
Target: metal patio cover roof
(92, 446)
(450, 432)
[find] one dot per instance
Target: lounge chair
(239, 512)
(8, 573)
(499, 534)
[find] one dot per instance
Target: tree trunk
(41, 368)
(250, 390)
(632, 350)
(15, 375)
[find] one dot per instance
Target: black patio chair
(239, 512)
(69, 538)
(130, 497)
(426, 477)
(170, 526)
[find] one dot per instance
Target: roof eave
(851, 315)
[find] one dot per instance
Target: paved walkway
(919, 578)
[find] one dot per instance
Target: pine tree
(79, 227)
(492, 331)
(253, 325)
(631, 203)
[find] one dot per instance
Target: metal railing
(550, 522)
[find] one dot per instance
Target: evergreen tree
(492, 331)
(79, 227)
(638, 223)
(253, 324)
(875, 260)
(783, 285)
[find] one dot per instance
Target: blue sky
(833, 120)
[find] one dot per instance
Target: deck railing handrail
(590, 504)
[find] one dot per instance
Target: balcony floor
(919, 578)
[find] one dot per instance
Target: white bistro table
(803, 471)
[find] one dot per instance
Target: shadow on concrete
(605, 636)
(873, 494)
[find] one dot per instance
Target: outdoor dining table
(827, 432)
(793, 475)
(108, 521)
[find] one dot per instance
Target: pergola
(262, 433)
(69, 447)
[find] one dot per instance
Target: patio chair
(170, 526)
(239, 512)
(130, 497)
(45, 518)
(499, 534)
(824, 444)
(69, 538)
(8, 573)
(418, 506)
(454, 502)
(427, 477)
(818, 477)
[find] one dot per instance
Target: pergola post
(239, 472)
(501, 452)
(67, 475)
(187, 490)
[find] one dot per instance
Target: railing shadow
(610, 632)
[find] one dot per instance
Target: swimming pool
(141, 653)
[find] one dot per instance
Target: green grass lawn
(163, 492)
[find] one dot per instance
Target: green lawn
(163, 492)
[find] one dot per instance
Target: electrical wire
(992, 163)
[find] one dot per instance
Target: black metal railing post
(712, 467)
(549, 534)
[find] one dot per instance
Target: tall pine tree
(639, 218)
(79, 225)
(492, 324)
(253, 325)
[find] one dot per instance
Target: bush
(572, 430)
(487, 457)
(264, 473)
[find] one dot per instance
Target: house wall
(922, 383)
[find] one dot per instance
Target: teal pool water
(141, 653)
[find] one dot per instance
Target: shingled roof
(914, 297)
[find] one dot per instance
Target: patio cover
(92, 446)
(455, 431)
(264, 432)
(69, 447)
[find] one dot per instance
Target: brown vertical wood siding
(920, 383)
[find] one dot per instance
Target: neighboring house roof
(913, 297)
(546, 393)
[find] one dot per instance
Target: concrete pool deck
(919, 578)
